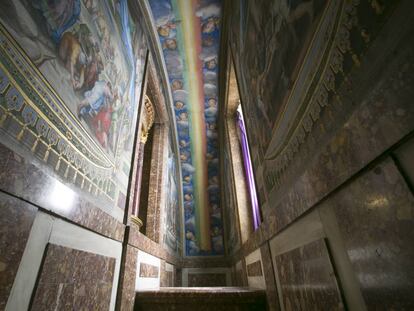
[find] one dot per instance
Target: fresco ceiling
(188, 32)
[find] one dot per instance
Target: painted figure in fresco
(210, 25)
(184, 143)
(210, 63)
(179, 105)
(211, 111)
(101, 123)
(95, 99)
(91, 6)
(165, 29)
(177, 85)
(60, 15)
(170, 44)
(208, 41)
(183, 116)
(81, 57)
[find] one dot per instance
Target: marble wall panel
(148, 271)
(405, 156)
(178, 282)
(202, 299)
(142, 242)
(74, 279)
(238, 274)
(68, 242)
(208, 262)
(375, 214)
(205, 277)
(269, 276)
(254, 269)
(126, 289)
(307, 279)
(25, 180)
(16, 219)
(166, 274)
(148, 276)
(170, 271)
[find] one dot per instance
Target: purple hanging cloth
(248, 168)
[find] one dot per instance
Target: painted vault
(188, 32)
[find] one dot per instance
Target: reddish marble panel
(376, 218)
(214, 298)
(73, 280)
(405, 156)
(148, 271)
(16, 219)
(126, 287)
(269, 276)
(25, 180)
(178, 277)
(169, 278)
(206, 279)
(238, 277)
(140, 241)
(206, 262)
(254, 269)
(166, 277)
(307, 279)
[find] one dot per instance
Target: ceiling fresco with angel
(188, 32)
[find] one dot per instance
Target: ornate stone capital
(148, 119)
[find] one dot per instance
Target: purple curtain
(248, 168)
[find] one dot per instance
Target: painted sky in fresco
(189, 35)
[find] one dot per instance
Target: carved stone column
(146, 124)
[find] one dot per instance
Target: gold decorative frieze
(315, 87)
(33, 116)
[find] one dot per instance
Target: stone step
(201, 299)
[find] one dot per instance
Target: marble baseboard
(205, 262)
(166, 274)
(148, 272)
(254, 269)
(238, 277)
(16, 220)
(206, 277)
(307, 279)
(126, 289)
(29, 182)
(74, 279)
(269, 276)
(59, 254)
(213, 298)
(375, 215)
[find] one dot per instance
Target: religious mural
(291, 60)
(88, 60)
(189, 35)
(231, 220)
(172, 230)
(272, 37)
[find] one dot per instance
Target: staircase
(201, 299)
